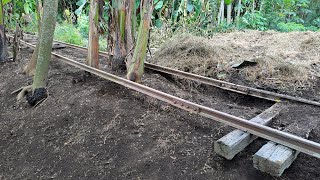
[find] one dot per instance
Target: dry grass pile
(286, 61)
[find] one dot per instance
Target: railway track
(272, 96)
(286, 139)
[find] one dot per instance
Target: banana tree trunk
(3, 43)
(239, 9)
(30, 68)
(221, 13)
(45, 48)
(129, 27)
(136, 64)
(229, 10)
(238, 12)
(120, 38)
(93, 46)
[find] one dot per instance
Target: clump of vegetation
(292, 26)
(68, 33)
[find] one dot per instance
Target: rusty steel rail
(272, 96)
(289, 140)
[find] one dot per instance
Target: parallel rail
(289, 140)
(272, 96)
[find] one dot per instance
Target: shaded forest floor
(90, 128)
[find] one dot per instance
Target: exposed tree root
(22, 92)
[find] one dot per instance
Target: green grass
(77, 35)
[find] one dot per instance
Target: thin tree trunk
(15, 45)
(185, 10)
(93, 46)
(239, 9)
(221, 13)
(229, 10)
(173, 16)
(3, 43)
(44, 56)
(238, 13)
(134, 20)
(136, 64)
(129, 37)
(30, 68)
(253, 5)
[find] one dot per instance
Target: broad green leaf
(159, 5)
(81, 4)
(26, 8)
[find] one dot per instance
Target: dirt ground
(90, 128)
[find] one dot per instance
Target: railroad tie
(231, 144)
(273, 158)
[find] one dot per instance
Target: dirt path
(94, 129)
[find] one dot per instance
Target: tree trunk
(120, 38)
(93, 46)
(253, 6)
(30, 68)
(221, 13)
(173, 16)
(3, 43)
(130, 18)
(239, 9)
(238, 13)
(136, 64)
(45, 48)
(229, 10)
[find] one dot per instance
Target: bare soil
(90, 128)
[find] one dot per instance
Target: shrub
(83, 25)
(68, 33)
(291, 26)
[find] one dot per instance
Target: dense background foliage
(198, 17)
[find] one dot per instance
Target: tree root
(22, 92)
(34, 99)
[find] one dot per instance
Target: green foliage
(254, 20)
(103, 43)
(81, 4)
(303, 12)
(4, 2)
(227, 2)
(68, 33)
(291, 26)
(83, 25)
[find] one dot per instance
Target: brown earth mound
(284, 61)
